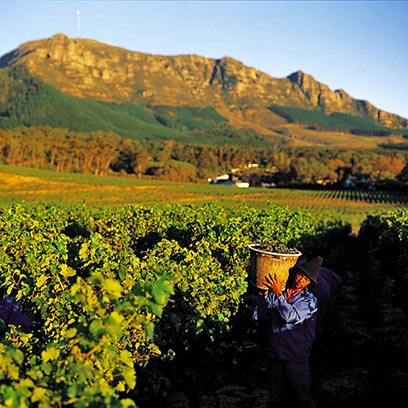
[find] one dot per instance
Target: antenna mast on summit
(78, 13)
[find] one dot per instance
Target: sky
(358, 46)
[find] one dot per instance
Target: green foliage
(92, 323)
(110, 289)
(189, 118)
(335, 121)
(394, 146)
(31, 102)
(386, 234)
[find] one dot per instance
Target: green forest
(336, 121)
(106, 153)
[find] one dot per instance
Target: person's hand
(272, 282)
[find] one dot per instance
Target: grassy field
(32, 185)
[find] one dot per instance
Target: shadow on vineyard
(359, 358)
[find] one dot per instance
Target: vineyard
(32, 186)
(151, 305)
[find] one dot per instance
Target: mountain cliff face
(90, 69)
(322, 96)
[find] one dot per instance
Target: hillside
(86, 85)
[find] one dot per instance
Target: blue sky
(358, 46)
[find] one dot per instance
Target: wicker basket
(264, 262)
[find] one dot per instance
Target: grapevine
(111, 289)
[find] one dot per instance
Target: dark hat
(311, 268)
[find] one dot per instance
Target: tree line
(105, 153)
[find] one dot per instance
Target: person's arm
(294, 313)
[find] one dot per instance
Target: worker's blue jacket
(328, 284)
(288, 328)
(10, 313)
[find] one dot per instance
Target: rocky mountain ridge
(243, 95)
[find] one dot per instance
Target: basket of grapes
(274, 258)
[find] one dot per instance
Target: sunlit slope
(87, 85)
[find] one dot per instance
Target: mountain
(86, 85)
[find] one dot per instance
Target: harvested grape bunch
(277, 247)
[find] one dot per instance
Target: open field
(303, 136)
(32, 185)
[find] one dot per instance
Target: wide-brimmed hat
(311, 268)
